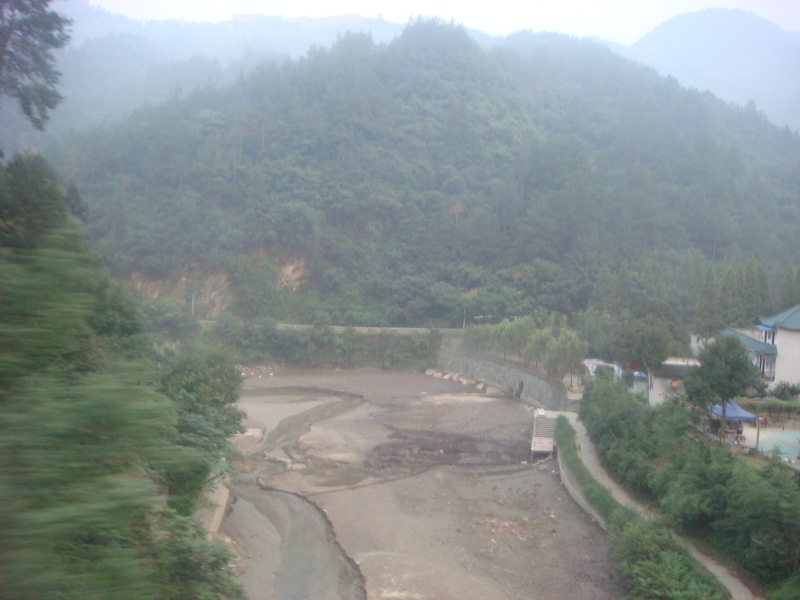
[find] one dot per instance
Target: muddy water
(312, 565)
(304, 560)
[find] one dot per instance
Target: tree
(502, 335)
(29, 32)
(709, 318)
(605, 293)
(31, 201)
(514, 335)
(788, 295)
(536, 350)
(652, 336)
(600, 329)
(725, 372)
(204, 385)
(565, 354)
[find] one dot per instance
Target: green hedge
(656, 566)
(597, 495)
(788, 590)
(260, 340)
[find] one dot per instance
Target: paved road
(364, 330)
(375, 330)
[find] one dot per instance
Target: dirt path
(588, 455)
(422, 488)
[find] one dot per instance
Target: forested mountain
(735, 54)
(227, 40)
(115, 64)
(425, 180)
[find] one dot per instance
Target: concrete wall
(787, 364)
(536, 389)
(212, 511)
(574, 490)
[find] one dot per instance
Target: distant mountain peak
(736, 54)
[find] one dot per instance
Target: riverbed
(377, 484)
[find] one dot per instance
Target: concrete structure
(774, 345)
(537, 390)
(668, 378)
(544, 427)
(761, 353)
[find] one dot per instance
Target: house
(761, 353)
(664, 380)
(774, 345)
(667, 379)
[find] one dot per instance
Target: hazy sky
(622, 21)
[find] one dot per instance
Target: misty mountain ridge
(411, 177)
(735, 54)
(116, 64)
(227, 40)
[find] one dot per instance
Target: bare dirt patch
(212, 291)
(424, 488)
(292, 273)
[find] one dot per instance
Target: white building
(774, 345)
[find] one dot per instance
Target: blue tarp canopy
(733, 411)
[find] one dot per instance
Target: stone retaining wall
(212, 511)
(573, 489)
(536, 390)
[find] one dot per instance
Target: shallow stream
(308, 563)
(312, 564)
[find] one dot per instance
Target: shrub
(788, 590)
(655, 566)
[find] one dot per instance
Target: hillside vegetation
(115, 64)
(427, 181)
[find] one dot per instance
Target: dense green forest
(428, 180)
(108, 432)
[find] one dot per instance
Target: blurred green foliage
(94, 423)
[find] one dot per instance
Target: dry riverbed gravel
(377, 484)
